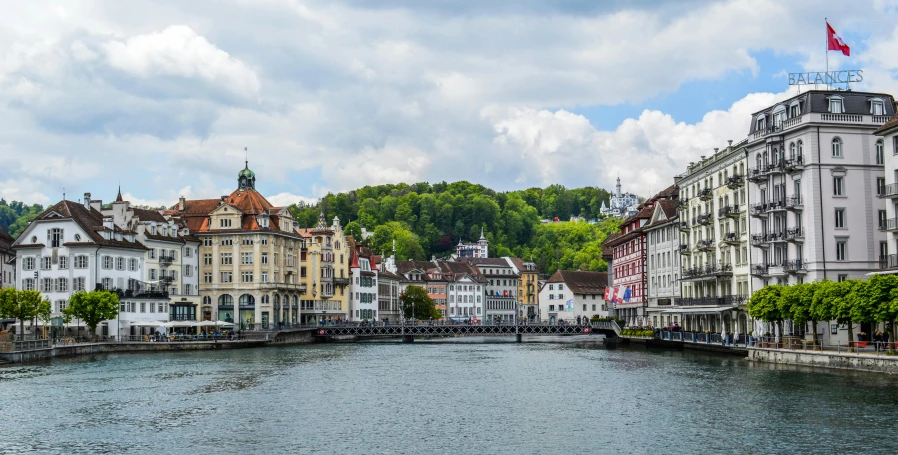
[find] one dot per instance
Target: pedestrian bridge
(609, 329)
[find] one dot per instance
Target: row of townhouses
(240, 260)
(810, 194)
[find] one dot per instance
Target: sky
(168, 98)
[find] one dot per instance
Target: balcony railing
(706, 244)
(684, 249)
(775, 236)
(775, 167)
(776, 204)
(735, 181)
(703, 219)
(759, 240)
(795, 266)
(684, 225)
(760, 269)
(794, 164)
(892, 224)
(341, 281)
(729, 210)
(682, 204)
(727, 300)
(731, 237)
(794, 203)
(165, 261)
(795, 234)
(708, 270)
(888, 261)
(756, 174)
(759, 210)
(889, 191)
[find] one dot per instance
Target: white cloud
(286, 199)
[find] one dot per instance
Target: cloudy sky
(163, 96)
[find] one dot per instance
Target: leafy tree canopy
(417, 304)
(24, 306)
(92, 307)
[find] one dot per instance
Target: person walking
(877, 339)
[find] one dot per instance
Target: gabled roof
(665, 212)
(89, 220)
(149, 215)
(580, 282)
(884, 129)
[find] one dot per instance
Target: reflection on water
(467, 395)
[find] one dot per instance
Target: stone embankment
(836, 360)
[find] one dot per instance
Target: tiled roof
(495, 262)
(89, 220)
(390, 275)
(887, 126)
(581, 282)
(404, 267)
(250, 202)
(669, 207)
(149, 215)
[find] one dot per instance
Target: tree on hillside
(23, 305)
(354, 229)
(415, 303)
(407, 244)
(93, 308)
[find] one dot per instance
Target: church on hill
(622, 205)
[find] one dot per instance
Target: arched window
(880, 157)
(247, 300)
(758, 159)
(266, 298)
(207, 300)
(792, 151)
(837, 147)
(800, 148)
(295, 300)
(226, 299)
(776, 156)
(277, 299)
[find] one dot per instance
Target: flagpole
(826, 52)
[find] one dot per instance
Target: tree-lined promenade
(847, 302)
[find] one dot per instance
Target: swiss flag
(834, 42)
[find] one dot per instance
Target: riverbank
(253, 340)
(685, 344)
(857, 361)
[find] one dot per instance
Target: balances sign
(824, 77)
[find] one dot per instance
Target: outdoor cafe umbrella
(148, 324)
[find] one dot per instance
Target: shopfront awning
(698, 310)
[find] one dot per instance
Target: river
(563, 395)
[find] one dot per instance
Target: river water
(563, 395)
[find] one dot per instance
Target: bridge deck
(477, 330)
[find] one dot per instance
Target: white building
(887, 146)
(7, 261)
(569, 294)
(71, 247)
(478, 249)
(714, 252)
(663, 251)
(815, 172)
(501, 289)
(621, 205)
(363, 301)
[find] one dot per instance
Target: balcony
(794, 203)
(732, 211)
(705, 194)
(888, 262)
(342, 281)
(727, 300)
(774, 237)
(327, 293)
(165, 261)
(684, 249)
(735, 181)
(708, 271)
(793, 165)
(762, 270)
(731, 238)
(888, 191)
(892, 224)
(682, 204)
(795, 266)
(759, 240)
(704, 219)
(759, 210)
(684, 225)
(776, 167)
(301, 287)
(795, 234)
(705, 245)
(776, 205)
(756, 174)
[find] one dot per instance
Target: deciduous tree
(93, 308)
(24, 305)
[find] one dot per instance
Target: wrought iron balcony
(684, 225)
(731, 238)
(756, 174)
(795, 234)
(759, 240)
(682, 203)
(342, 281)
(727, 300)
(775, 167)
(888, 261)
(708, 270)
(165, 261)
(705, 194)
(759, 210)
(888, 191)
(794, 203)
(776, 205)
(729, 210)
(793, 165)
(795, 266)
(760, 270)
(707, 244)
(773, 237)
(704, 219)
(735, 181)
(684, 249)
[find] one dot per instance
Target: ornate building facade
(621, 205)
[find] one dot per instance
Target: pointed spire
(481, 234)
(119, 197)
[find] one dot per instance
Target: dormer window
(877, 106)
(794, 109)
(760, 123)
(835, 105)
(779, 116)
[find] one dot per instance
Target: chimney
(222, 200)
(97, 205)
(715, 150)
(181, 204)
(87, 201)
(730, 142)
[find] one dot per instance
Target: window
(152, 252)
(187, 252)
(47, 285)
(246, 240)
(880, 186)
(224, 223)
(841, 253)
(246, 258)
(62, 285)
(226, 277)
(120, 263)
(837, 148)
(880, 152)
(835, 105)
(246, 277)
(207, 277)
(107, 284)
(207, 241)
(840, 218)
(794, 109)
(877, 107)
(226, 259)
(882, 219)
(28, 263)
(60, 305)
(78, 284)
(264, 277)
(227, 241)
(842, 278)
(152, 273)
(46, 263)
(55, 237)
(132, 265)
(28, 284)
(264, 258)
(895, 145)
(837, 186)
(207, 258)
(107, 262)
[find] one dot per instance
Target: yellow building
(324, 270)
(528, 288)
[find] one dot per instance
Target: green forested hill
(14, 216)
(430, 219)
